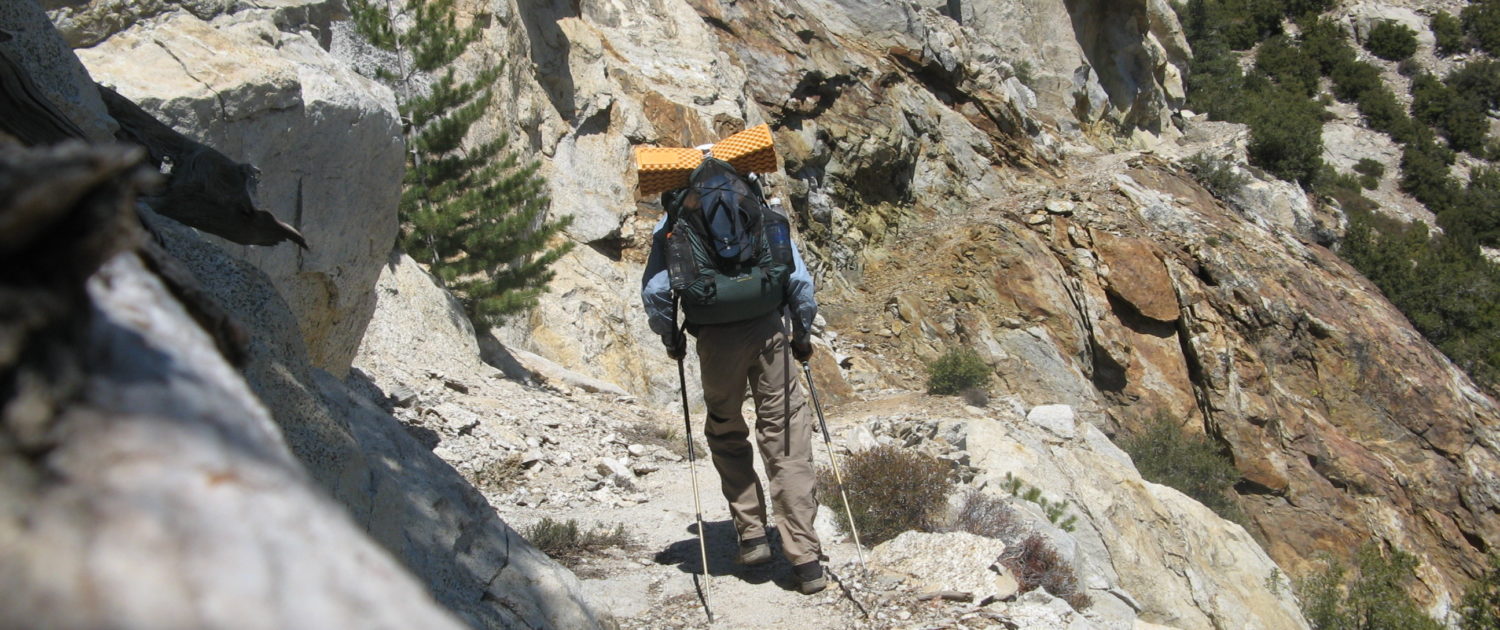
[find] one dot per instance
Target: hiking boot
(810, 577)
(754, 551)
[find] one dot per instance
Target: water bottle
(779, 235)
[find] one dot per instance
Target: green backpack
(728, 253)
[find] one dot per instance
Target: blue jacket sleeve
(800, 295)
(656, 286)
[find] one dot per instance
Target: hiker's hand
(802, 348)
(676, 344)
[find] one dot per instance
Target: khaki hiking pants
(757, 352)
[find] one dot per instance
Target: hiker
(742, 340)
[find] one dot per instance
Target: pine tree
(476, 214)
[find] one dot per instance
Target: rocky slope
(948, 202)
(995, 174)
(191, 466)
(604, 459)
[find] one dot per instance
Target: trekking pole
(687, 432)
(838, 477)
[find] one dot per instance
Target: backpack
(728, 253)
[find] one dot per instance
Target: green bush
(1286, 136)
(1424, 175)
(1391, 41)
(1302, 8)
(1480, 607)
(891, 490)
(1035, 564)
(475, 213)
(1479, 79)
(1383, 113)
(1477, 219)
(1324, 41)
(1216, 174)
(1285, 62)
(1216, 85)
(1430, 99)
(1025, 73)
(1345, 189)
(1246, 23)
(1189, 462)
(1370, 167)
(1481, 21)
(1449, 33)
(568, 542)
(957, 370)
(1372, 598)
(1351, 79)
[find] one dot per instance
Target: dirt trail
(652, 584)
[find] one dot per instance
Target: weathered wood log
(205, 189)
(951, 596)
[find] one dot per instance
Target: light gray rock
(85, 23)
(590, 331)
(325, 139)
(1126, 526)
(406, 498)
(445, 343)
(1056, 419)
(1282, 204)
(54, 69)
(550, 372)
(169, 473)
(954, 561)
(826, 525)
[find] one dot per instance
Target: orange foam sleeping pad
(663, 169)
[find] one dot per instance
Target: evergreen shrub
(1372, 597)
(1324, 41)
(1449, 33)
(1351, 79)
(1391, 41)
(1283, 61)
(1217, 175)
(1481, 22)
(1480, 79)
(891, 490)
(957, 370)
(1346, 189)
(1370, 167)
(474, 212)
(1480, 607)
(1424, 174)
(1384, 113)
(1286, 135)
(1165, 454)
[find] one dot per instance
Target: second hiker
(728, 259)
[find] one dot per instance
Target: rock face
(143, 484)
(407, 499)
(181, 464)
(957, 562)
(949, 194)
(34, 44)
(1344, 423)
(1140, 551)
(876, 107)
(326, 141)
